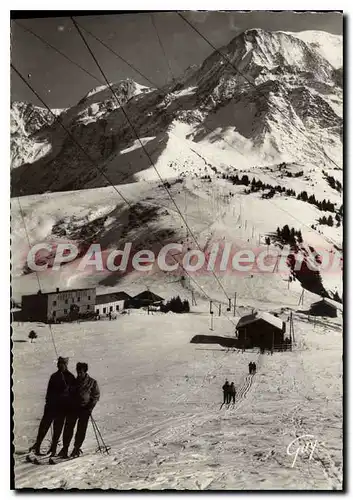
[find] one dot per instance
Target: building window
(54, 314)
(78, 299)
(54, 303)
(110, 308)
(65, 311)
(88, 307)
(104, 309)
(89, 297)
(117, 308)
(97, 311)
(66, 301)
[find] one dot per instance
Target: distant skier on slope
(56, 405)
(85, 396)
(226, 395)
(254, 367)
(232, 392)
(250, 367)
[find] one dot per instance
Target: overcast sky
(62, 84)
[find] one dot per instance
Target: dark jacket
(226, 387)
(232, 389)
(59, 387)
(85, 393)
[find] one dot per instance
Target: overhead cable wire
(162, 47)
(165, 93)
(205, 126)
(58, 51)
(144, 149)
(116, 54)
(146, 78)
(36, 272)
(225, 58)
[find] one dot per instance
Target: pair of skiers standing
(228, 392)
(68, 400)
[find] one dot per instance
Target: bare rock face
(283, 95)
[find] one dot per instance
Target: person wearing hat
(84, 397)
(56, 405)
(226, 396)
(232, 393)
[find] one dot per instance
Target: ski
(59, 460)
(37, 459)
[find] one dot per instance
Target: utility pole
(219, 309)
(273, 342)
(275, 267)
(211, 307)
(229, 304)
(235, 301)
(291, 328)
(211, 328)
(301, 298)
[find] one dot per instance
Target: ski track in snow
(195, 444)
(25, 472)
(160, 411)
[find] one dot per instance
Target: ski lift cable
(154, 85)
(73, 62)
(144, 149)
(36, 272)
(145, 77)
(225, 58)
(162, 47)
(143, 223)
(160, 89)
(165, 93)
(127, 63)
(58, 51)
(118, 56)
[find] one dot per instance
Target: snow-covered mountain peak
(28, 118)
(282, 86)
(273, 50)
(330, 46)
(26, 121)
(124, 89)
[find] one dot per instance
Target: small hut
(260, 329)
(325, 307)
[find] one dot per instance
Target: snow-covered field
(160, 394)
(160, 406)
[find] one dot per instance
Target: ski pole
(106, 448)
(100, 447)
(96, 436)
(100, 435)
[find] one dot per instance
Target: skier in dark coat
(232, 392)
(84, 397)
(226, 397)
(254, 367)
(250, 367)
(57, 401)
